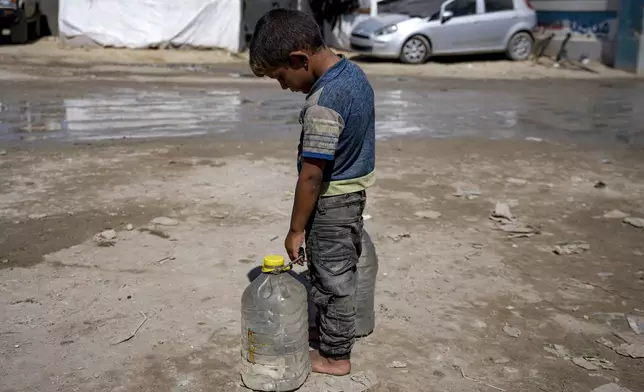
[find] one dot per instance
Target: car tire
(20, 30)
(520, 46)
(416, 50)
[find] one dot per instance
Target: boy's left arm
(321, 128)
(307, 192)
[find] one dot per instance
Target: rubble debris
(635, 222)
(397, 365)
(601, 362)
(615, 214)
(558, 350)
(612, 387)
(428, 214)
(164, 221)
(600, 185)
(399, 237)
(512, 331)
(105, 238)
(583, 363)
(636, 323)
(571, 248)
(633, 348)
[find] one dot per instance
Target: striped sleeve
(321, 128)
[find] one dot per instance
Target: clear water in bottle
(275, 350)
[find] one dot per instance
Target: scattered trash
(397, 365)
(571, 248)
(512, 331)
(516, 181)
(275, 238)
(636, 323)
(165, 260)
(558, 350)
(500, 361)
(612, 387)
(129, 227)
(145, 318)
(399, 237)
(164, 221)
(583, 363)
(105, 238)
(615, 214)
(427, 214)
(600, 185)
(635, 222)
(631, 348)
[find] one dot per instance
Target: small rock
(500, 361)
(502, 210)
(581, 362)
(397, 365)
(36, 216)
(17, 346)
(635, 222)
(510, 370)
(129, 227)
(600, 185)
(3, 152)
(615, 214)
(636, 323)
(428, 214)
(164, 221)
(612, 387)
(96, 375)
(558, 350)
(399, 237)
(606, 161)
(571, 248)
(516, 181)
(512, 331)
(105, 238)
(480, 324)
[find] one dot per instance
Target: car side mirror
(446, 15)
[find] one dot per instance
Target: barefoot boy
(336, 163)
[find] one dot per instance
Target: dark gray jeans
(333, 246)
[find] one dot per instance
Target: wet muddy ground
(461, 303)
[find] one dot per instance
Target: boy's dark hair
(278, 33)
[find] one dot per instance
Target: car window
(499, 5)
(462, 7)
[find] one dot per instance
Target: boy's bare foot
(334, 367)
(314, 334)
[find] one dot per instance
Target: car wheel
(415, 50)
(520, 46)
(20, 30)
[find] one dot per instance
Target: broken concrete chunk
(105, 238)
(571, 248)
(558, 350)
(612, 387)
(164, 221)
(636, 323)
(615, 214)
(633, 349)
(635, 222)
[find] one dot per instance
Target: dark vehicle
(20, 20)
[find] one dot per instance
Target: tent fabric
(153, 23)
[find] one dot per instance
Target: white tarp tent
(152, 23)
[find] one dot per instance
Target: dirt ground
(17, 59)
(449, 281)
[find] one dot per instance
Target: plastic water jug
(275, 350)
(366, 291)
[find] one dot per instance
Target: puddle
(403, 108)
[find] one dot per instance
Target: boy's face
(297, 77)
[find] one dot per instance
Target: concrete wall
(593, 23)
(630, 45)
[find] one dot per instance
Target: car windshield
(417, 8)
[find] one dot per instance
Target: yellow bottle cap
(273, 262)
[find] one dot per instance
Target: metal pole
(374, 8)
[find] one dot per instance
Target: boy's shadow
(303, 278)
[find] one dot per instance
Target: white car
(447, 28)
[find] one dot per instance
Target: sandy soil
(50, 52)
(447, 286)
